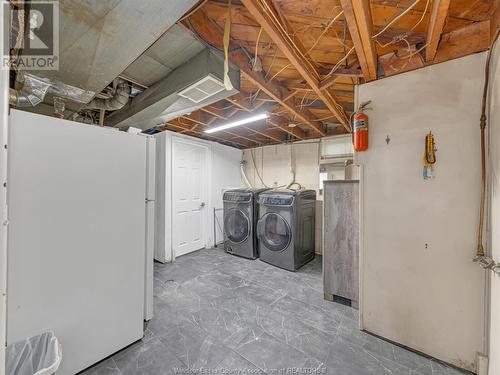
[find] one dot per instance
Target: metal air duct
(191, 86)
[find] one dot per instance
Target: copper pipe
(480, 248)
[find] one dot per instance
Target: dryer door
(274, 232)
(236, 225)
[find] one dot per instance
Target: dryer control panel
(276, 200)
(237, 197)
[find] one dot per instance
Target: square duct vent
(202, 89)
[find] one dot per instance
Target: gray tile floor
(221, 313)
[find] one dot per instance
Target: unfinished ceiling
(301, 58)
(296, 60)
(98, 39)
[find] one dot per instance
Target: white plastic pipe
(244, 175)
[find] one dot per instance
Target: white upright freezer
(76, 262)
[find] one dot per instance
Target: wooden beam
(204, 28)
(243, 140)
(439, 13)
(186, 128)
(495, 20)
(359, 21)
(342, 72)
(268, 133)
(293, 52)
(241, 101)
(213, 112)
(400, 61)
(457, 43)
(464, 41)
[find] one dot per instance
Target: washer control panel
(237, 197)
(276, 200)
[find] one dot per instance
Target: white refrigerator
(77, 254)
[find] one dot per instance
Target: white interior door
(189, 196)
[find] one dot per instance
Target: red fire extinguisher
(360, 129)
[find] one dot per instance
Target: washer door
(236, 225)
(274, 232)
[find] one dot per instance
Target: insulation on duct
(117, 101)
(35, 88)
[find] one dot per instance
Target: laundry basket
(37, 355)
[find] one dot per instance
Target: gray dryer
(286, 227)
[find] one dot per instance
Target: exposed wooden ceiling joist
(241, 101)
(213, 112)
(458, 43)
(271, 22)
(359, 22)
(464, 41)
(197, 118)
(321, 39)
(351, 71)
(269, 133)
(186, 128)
(204, 27)
(439, 13)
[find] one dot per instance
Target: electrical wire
(272, 62)
(403, 37)
(256, 170)
(325, 31)
(337, 65)
(278, 23)
(394, 19)
(280, 71)
(256, 55)
(423, 16)
(415, 52)
(480, 253)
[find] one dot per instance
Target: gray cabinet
(341, 241)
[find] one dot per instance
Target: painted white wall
(420, 287)
(273, 164)
(76, 236)
(494, 219)
(225, 174)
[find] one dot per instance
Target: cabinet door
(341, 244)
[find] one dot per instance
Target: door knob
(202, 204)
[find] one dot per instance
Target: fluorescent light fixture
(238, 123)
